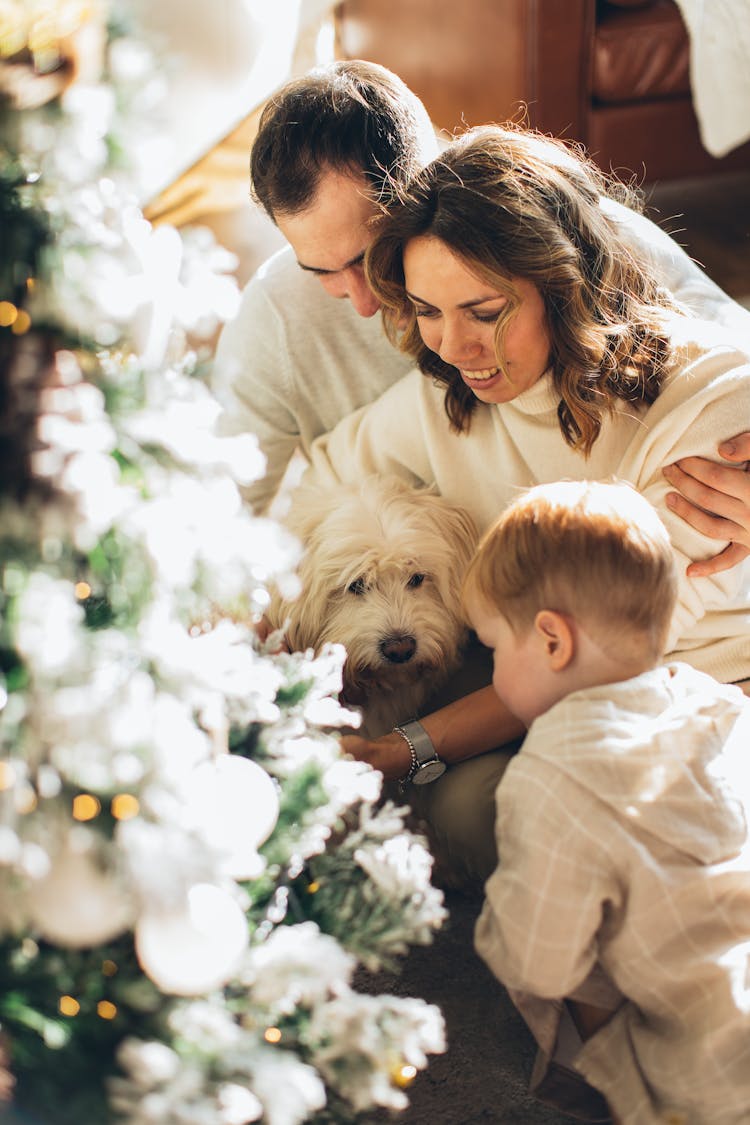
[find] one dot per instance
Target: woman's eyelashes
(486, 317)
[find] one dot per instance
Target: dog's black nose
(398, 648)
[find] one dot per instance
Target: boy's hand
(715, 500)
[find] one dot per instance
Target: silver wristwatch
(425, 764)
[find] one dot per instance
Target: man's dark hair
(349, 116)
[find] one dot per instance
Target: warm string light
(8, 314)
(272, 1035)
(18, 320)
(68, 1006)
(21, 324)
(86, 806)
(404, 1075)
(83, 591)
(124, 806)
(109, 968)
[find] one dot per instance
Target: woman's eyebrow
(464, 304)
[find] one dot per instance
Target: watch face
(430, 771)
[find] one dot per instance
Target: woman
(552, 352)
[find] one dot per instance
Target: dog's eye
(415, 580)
(357, 587)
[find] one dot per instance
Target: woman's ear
(557, 636)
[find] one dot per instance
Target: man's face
(329, 238)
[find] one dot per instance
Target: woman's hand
(389, 753)
(715, 500)
(469, 726)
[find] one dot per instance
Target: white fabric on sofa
(719, 33)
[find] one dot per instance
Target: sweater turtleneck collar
(540, 398)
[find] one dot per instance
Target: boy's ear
(556, 635)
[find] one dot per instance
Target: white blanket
(719, 33)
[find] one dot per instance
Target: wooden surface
(219, 181)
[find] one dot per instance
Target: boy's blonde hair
(596, 551)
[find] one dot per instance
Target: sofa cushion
(640, 53)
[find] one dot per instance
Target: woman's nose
(457, 345)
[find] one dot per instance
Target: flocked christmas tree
(190, 872)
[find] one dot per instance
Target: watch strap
(420, 745)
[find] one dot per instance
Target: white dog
(381, 574)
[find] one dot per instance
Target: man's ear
(557, 636)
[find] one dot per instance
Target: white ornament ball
(197, 948)
(76, 904)
(234, 804)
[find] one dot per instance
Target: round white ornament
(195, 949)
(234, 804)
(76, 904)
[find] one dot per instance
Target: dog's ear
(456, 526)
(304, 625)
(299, 617)
(460, 538)
(465, 537)
(312, 506)
(307, 613)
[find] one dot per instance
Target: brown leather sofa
(614, 74)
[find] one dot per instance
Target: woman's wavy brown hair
(512, 203)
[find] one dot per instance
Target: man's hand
(389, 753)
(715, 500)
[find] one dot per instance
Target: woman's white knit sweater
(511, 446)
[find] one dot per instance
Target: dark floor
(482, 1079)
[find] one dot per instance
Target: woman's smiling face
(457, 314)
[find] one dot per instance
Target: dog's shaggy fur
(381, 574)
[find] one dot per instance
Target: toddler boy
(622, 895)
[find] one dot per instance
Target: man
(332, 148)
